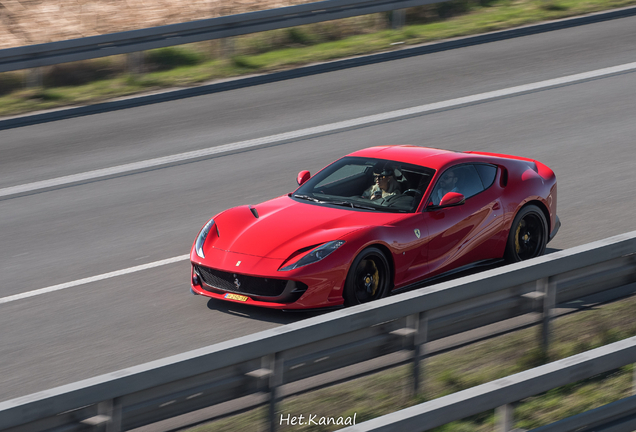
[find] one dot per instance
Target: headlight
(315, 255)
(198, 246)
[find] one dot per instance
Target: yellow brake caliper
(517, 245)
(376, 280)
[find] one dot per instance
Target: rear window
(487, 173)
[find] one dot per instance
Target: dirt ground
(28, 22)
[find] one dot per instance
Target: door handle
(496, 206)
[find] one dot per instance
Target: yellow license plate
(236, 297)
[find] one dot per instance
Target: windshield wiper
(338, 203)
(360, 206)
(351, 204)
(308, 198)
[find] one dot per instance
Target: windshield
(368, 184)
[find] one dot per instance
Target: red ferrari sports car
(377, 221)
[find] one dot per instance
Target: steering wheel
(412, 192)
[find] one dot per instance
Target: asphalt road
(584, 131)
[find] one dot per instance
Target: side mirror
(452, 199)
(303, 176)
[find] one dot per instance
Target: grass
(387, 392)
(97, 80)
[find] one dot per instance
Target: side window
(469, 183)
(460, 178)
(487, 173)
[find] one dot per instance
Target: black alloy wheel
(368, 277)
(528, 235)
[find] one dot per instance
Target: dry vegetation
(27, 22)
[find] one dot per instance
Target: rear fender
(543, 170)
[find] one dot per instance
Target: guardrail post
(398, 18)
(548, 287)
(115, 417)
(419, 323)
(227, 47)
(108, 414)
(275, 380)
(135, 62)
(505, 418)
(34, 77)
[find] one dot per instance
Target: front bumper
(258, 288)
(247, 279)
(557, 225)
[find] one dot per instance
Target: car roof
(425, 156)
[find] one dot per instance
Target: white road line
(313, 131)
(59, 287)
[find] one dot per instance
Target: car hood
(284, 226)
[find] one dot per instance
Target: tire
(368, 278)
(528, 235)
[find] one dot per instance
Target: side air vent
(504, 177)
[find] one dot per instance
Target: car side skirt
(451, 274)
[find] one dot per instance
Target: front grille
(238, 283)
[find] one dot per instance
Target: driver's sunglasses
(380, 177)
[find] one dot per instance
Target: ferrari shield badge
(238, 263)
(417, 233)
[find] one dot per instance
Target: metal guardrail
(271, 362)
(33, 56)
(34, 77)
(195, 31)
(501, 393)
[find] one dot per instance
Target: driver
(385, 185)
